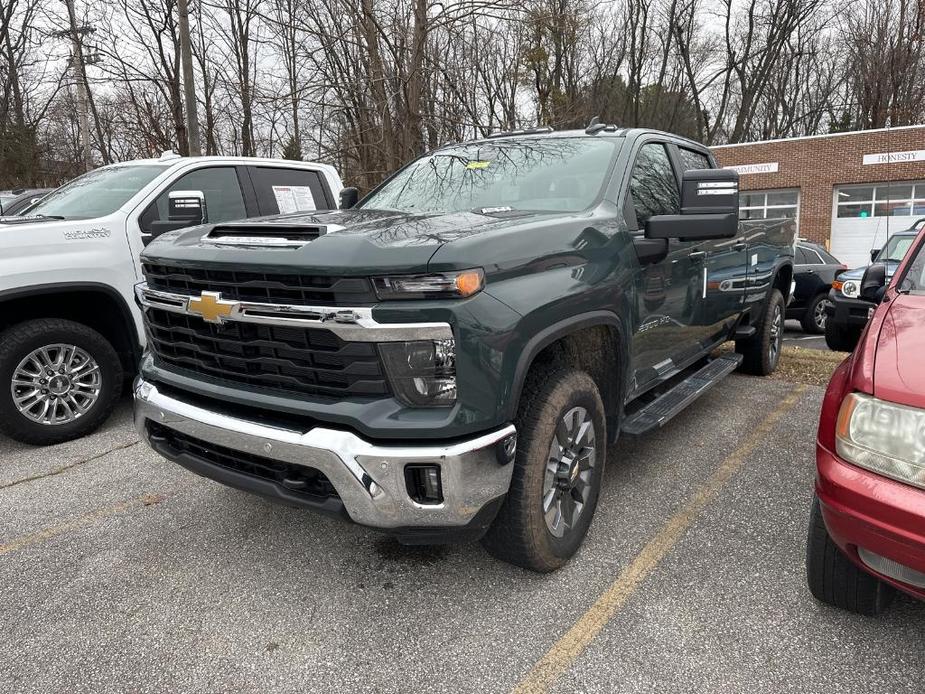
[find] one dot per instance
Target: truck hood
(858, 272)
(898, 373)
(354, 242)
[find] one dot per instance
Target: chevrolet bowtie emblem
(210, 307)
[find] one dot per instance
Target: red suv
(867, 525)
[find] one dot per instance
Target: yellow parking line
(572, 644)
(77, 523)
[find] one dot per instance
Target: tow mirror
(349, 198)
(185, 208)
(873, 284)
(874, 252)
(709, 208)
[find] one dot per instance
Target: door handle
(740, 246)
(697, 255)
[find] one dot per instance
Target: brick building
(848, 191)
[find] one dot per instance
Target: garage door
(864, 216)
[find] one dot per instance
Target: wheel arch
(783, 278)
(594, 342)
(98, 306)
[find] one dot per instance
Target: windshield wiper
(31, 218)
(505, 211)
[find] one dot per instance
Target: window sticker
(293, 199)
(478, 164)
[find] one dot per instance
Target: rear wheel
(761, 351)
(59, 380)
(841, 338)
(836, 580)
(561, 446)
(814, 319)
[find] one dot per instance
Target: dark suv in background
(814, 270)
(848, 311)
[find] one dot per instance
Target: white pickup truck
(70, 332)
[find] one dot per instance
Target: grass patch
(811, 366)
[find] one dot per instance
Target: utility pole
(78, 64)
(189, 89)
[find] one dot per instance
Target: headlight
(851, 288)
(422, 373)
(881, 436)
(444, 285)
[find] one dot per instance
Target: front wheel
(59, 380)
(841, 338)
(561, 448)
(836, 580)
(761, 351)
(814, 319)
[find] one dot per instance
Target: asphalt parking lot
(795, 337)
(122, 572)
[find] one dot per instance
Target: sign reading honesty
(895, 157)
(743, 169)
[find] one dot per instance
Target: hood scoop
(265, 235)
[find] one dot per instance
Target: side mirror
(874, 252)
(349, 198)
(709, 208)
(873, 284)
(185, 208)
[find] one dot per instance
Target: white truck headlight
(883, 437)
(851, 288)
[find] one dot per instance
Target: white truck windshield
(97, 193)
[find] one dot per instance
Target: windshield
(896, 248)
(550, 173)
(97, 193)
(914, 281)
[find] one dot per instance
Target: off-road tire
(756, 350)
(836, 580)
(808, 322)
(519, 534)
(841, 338)
(18, 341)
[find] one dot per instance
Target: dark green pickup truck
(451, 357)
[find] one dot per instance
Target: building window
(881, 200)
(769, 204)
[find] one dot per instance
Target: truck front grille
(271, 288)
(309, 361)
(296, 478)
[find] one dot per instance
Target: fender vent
(263, 235)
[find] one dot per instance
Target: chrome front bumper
(369, 478)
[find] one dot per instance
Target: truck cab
(451, 358)
(69, 325)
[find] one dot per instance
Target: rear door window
(219, 184)
(812, 257)
(284, 191)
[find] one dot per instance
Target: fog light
(423, 483)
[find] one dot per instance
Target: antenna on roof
(595, 126)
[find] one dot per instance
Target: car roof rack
(526, 131)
